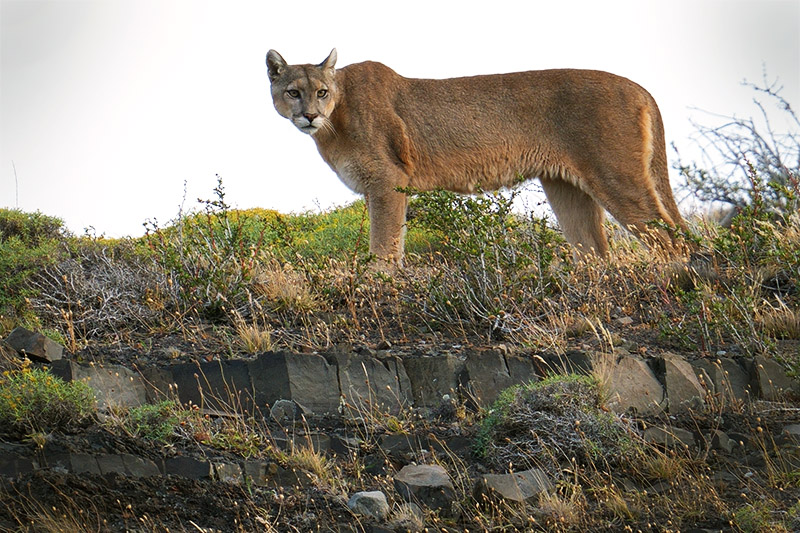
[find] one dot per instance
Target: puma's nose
(310, 116)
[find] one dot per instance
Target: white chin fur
(307, 127)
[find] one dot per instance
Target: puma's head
(305, 94)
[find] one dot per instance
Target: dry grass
(252, 337)
(776, 319)
(284, 288)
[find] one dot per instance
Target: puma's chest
(351, 174)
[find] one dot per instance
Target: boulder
(490, 372)
(216, 385)
(372, 504)
(722, 442)
(35, 345)
(633, 386)
(139, 466)
(517, 487)
(429, 485)
(432, 377)
(730, 381)
(14, 462)
(286, 410)
(670, 437)
(367, 383)
(269, 474)
(227, 472)
(684, 391)
(86, 463)
(773, 382)
(307, 379)
(187, 467)
(113, 385)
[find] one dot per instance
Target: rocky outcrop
(353, 384)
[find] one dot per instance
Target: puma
(595, 141)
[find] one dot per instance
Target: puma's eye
(322, 93)
(293, 93)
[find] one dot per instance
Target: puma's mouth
(306, 126)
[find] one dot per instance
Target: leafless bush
(747, 157)
(95, 291)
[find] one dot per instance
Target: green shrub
(152, 421)
(490, 265)
(33, 229)
(754, 518)
(210, 255)
(28, 241)
(35, 401)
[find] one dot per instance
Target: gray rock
(728, 378)
(722, 442)
(368, 383)
(139, 466)
(491, 371)
(519, 487)
(429, 485)
(86, 463)
(399, 447)
(110, 464)
(344, 446)
(432, 377)
(670, 437)
(13, 464)
(113, 385)
(269, 474)
(633, 386)
(307, 379)
(35, 345)
(258, 472)
(372, 504)
(188, 467)
(684, 391)
(227, 472)
(792, 431)
(284, 410)
(216, 385)
(772, 379)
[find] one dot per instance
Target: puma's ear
(275, 64)
(329, 62)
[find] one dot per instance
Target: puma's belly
(476, 170)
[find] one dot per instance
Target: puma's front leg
(387, 220)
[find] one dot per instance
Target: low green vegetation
(33, 401)
(28, 243)
(552, 422)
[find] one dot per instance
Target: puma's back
(595, 140)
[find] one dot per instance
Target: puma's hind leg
(579, 215)
(636, 207)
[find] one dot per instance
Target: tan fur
(595, 140)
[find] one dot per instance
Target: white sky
(108, 106)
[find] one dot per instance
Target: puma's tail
(659, 169)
